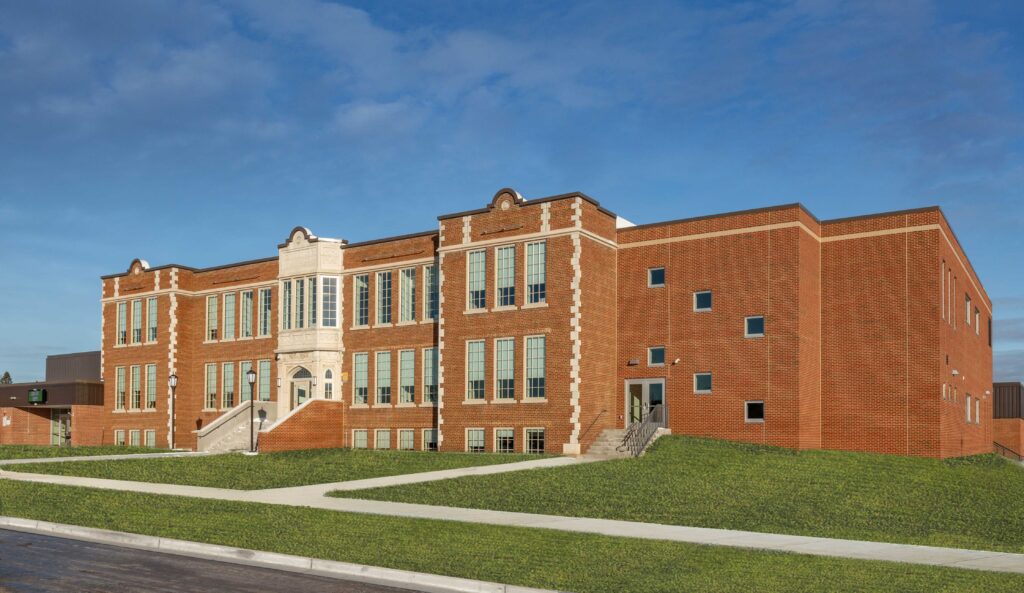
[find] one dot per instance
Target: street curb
(375, 575)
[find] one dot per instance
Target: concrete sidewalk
(817, 546)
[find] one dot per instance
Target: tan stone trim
(405, 263)
(198, 293)
(575, 336)
(529, 237)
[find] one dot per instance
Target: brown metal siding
(79, 366)
(1009, 400)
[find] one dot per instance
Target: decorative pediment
(300, 235)
(138, 266)
(505, 199)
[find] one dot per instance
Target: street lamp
(250, 376)
(172, 382)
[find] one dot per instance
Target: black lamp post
(172, 382)
(250, 376)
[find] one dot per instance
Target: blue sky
(199, 133)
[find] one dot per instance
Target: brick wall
(316, 425)
(27, 426)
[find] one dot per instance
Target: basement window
(753, 411)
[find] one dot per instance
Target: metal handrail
(1003, 450)
(592, 424)
(639, 434)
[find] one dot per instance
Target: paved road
(38, 564)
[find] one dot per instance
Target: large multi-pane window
(407, 290)
(360, 378)
(506, 275)
(406, 376)
(286, 306)
(211, 386)
(243, 371)
(406, 440)
(151, 312)
(431, 287)
(536, 273)
(137, 321)
(475, 369)
(361, 311)
(136, 387)
(359, 438)
(475, 440)
(265, 308)
(135, 438)
(430, 375)
(504, 368)
(312, 301)
(245, 328)
(328, 384)
(211, 317)
(122, 323)
(430, 439)
(383, 368)
(382, 439)
(228, 385)
(504, 440)
(264, 380)
(119, 391)
(119, 438)
(535, 357)
(383, 297)
(150, 386)
(151, 439)
(300, 303)
(330, 305)
(535, 440)
(229, 316)
(476, 281)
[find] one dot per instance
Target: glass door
(300, 393)
(642, 395)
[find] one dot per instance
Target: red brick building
(536, 325)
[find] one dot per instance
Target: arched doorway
(301, 387)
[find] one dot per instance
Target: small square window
(656, 356)
(754, 411)
(702, 300)
(702, 383)
(754, 327)
(655, 277)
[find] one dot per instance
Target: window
(535, 441)
(977, 411)
(119, 438)
(655, 277)
(406, 440)
(504, 440)
(504, 368)
(430, 439)
(952, 304)
(265, 308)
(229, 316)
(328, 384)
(330, 303)
(535, 356)
(136, 402)
(753, 411)
(119, 393)
(506, 275)
(702, 383)
(475, 440)
(702, 300)
(151, 439)
(977, 322)
(476, 262)
(967, 308)
(136, 321)
(942, 290)
(989, 332)
(300, 303)
(228, 385)
(312, 301)
(246, 325)
(968, 410)
(150, 386)
(656, 356)
(406, 376)
(382, 439)
(243, 373)
(383, 298)
(286, 306)
(754, 327)
(383, 364)
(407, 295)
(431, 288)
(430, 375)
(475, 370)
(536, 273)
(361, 312)
(134, 438)
(360, 383)
(359, 439)
(122, 323)
(151, 313)
(211, 386)
(211, 318)
(264, 380)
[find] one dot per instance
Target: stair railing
(639, 434)
(1008, 452)
(598, 417)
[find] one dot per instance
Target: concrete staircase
(607, 444)
(230, 432)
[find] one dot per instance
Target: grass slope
(41, 451)
(967, 503)
(271, 470)
(529, 557)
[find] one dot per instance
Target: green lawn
(529, 557)
(40, 451)
(271, 470)
(973, 502)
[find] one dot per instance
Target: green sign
(37, 396)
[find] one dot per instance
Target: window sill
(540, 305)
(656, 365)
(504, 308)
(503, 401)
(210, 410)
(474, 402)
(702, 393)
(210, 341)
(535, 400)
(406, 405)
(355, 327)
(118, 411)
(655, 286)
(475, 311)
(359, 406)
(428, 405)
(382, 325)
(150, 343)
(753, 336)
(702, 310)
(405, 323)
(754, 421)
(382, 406)
(134, 411)
(149, 411)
